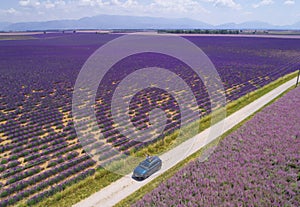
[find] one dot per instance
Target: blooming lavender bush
(257, 165)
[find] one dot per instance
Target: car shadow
(138, 179)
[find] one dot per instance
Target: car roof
(147, 162)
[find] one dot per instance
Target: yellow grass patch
(3, 122)
(44, 135)
(21, 160)
(56, 130)
(66, 116)
(5, 142)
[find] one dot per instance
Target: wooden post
(298, 78)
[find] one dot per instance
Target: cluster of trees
(200, 31)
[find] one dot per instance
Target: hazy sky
(278, 12)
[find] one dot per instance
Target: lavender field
(257, 165)
(39, 150)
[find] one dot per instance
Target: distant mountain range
(134, 22)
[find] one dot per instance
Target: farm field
(256, 165)
(39, 150)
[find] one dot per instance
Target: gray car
(147, 167)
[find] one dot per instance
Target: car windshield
(145, 164)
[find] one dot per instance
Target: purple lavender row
(50, 182)
(55, 159)
(19, 185)
(60, 187)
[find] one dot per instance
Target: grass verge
(102, 177)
